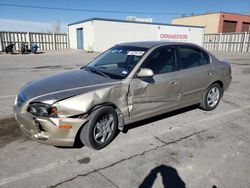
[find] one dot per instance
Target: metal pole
(1, 43)
(220, 36)
(28, 39)
(244, 43)
(54, 41)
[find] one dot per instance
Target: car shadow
(157, 118)
(39, 53)
(169, 175)
(29, 52)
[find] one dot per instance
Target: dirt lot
(185, 148)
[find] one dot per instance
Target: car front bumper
(47, 130)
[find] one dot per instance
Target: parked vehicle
(127, 83)
(24, 47)
(9, 48)
(34, 48)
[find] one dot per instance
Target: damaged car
(127, 83)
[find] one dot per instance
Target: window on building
(245, 27)
(229, 26)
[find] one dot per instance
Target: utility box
(99, 34)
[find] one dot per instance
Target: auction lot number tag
(136, 53)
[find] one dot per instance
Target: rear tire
(101, 128)
(211, 97)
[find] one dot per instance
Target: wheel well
(101, 105)
(220, 84)
(118, 112)
(121, 123)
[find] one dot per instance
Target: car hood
(64, 85)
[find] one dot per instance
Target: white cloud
(22, 25)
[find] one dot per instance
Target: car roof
(150, 44)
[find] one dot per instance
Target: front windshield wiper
(96, 71)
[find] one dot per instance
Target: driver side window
(161, 60)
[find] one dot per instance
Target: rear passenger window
(192, 57)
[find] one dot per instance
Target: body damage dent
(144, 97)
(85, 103)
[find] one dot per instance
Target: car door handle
(173, 82)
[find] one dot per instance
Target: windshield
(117, 62)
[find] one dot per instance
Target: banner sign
(174, 34)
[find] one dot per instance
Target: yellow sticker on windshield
(136, 53)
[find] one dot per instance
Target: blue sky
(177, 6)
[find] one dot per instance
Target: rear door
(149, 96)
(196, 72)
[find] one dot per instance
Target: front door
(151, 96)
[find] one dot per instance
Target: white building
(98, 34)
(134, 18)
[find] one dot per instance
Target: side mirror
(145, 73)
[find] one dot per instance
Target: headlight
(42, 110)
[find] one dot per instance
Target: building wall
(239, 19)
(196, 36)
(88, 35)
(216, 22)
(209, 21)
(108, 34)
(100, 35)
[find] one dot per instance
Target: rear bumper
(46, 130)
(227, 83)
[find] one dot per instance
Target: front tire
(211, 97)
(101, 128)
